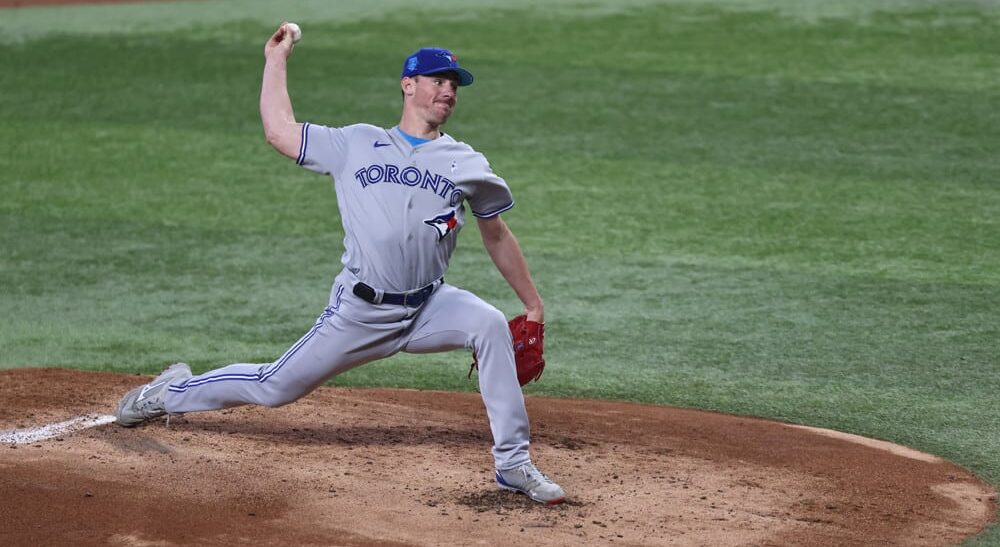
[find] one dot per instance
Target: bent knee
(280, 395)
(493, 322)
(279, 401)
(490, 326)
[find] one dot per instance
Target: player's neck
(419, 128)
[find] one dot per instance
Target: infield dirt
(391, 467)
(398, 467)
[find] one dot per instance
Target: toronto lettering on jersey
(409, 176)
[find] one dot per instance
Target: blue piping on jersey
(494, 212)
(274, 367)
(302, 146)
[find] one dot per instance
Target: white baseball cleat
(146, 402)
(528, 480)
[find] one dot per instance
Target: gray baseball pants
(351, 332)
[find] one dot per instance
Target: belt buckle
(418, 297)
(415, 299)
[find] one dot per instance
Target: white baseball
(295, 30)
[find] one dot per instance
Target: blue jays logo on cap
(434, 60)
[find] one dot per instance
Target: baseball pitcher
(402, 193)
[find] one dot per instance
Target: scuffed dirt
(388, 467)
(398, 467)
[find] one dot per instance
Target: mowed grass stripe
(754, 210)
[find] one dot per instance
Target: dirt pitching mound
(398, 467)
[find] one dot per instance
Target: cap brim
(464, 76)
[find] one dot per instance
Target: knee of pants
(281, 400)
(491, 326)
(277, 393)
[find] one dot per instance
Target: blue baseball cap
(432, 60)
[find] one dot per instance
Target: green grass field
(785, 209)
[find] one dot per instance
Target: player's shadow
(336, 435)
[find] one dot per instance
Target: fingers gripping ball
(295, 31)
(529, 341)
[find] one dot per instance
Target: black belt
(412, 299)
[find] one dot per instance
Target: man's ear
(408, 84)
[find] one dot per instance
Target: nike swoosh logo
(381, 144)
(142, 394)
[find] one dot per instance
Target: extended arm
(506, 254)
(280, 128)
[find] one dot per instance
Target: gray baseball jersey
(401, 205)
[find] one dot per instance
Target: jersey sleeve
(489, 196)
(323, 149)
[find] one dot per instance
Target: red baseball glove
(529, 339)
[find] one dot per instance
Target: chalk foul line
(44, 432)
